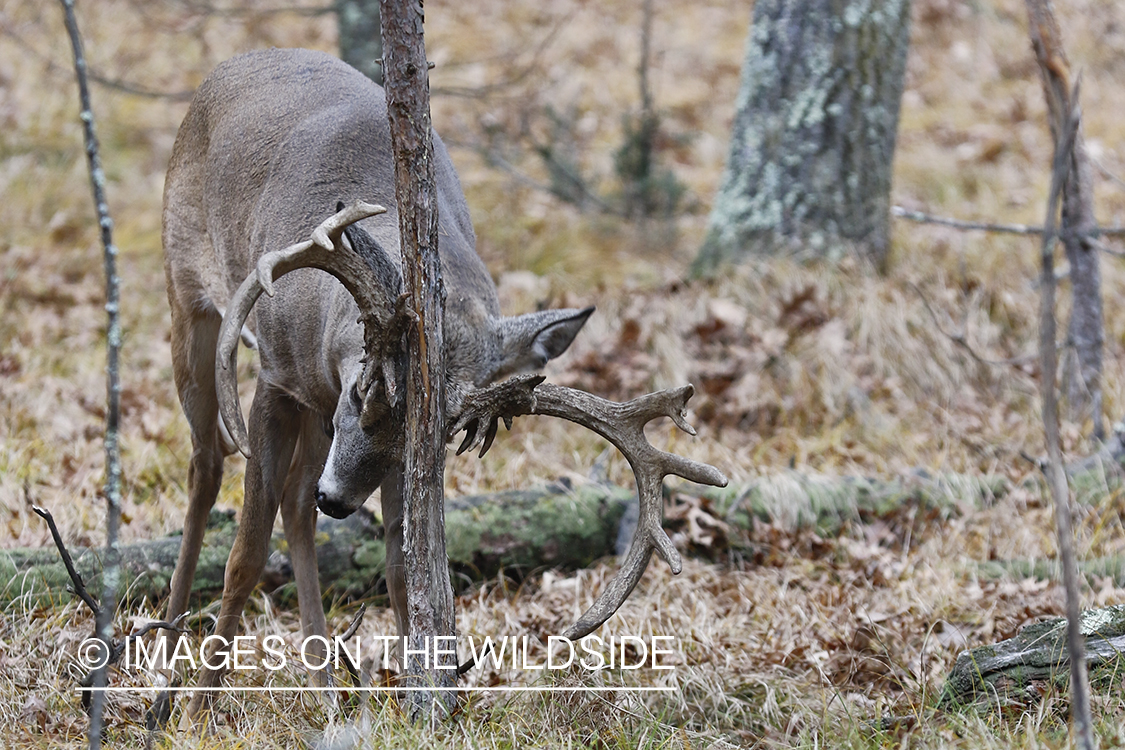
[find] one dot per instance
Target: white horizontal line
(296, 689)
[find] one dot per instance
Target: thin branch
(1104, 248)
(353, 628)
(924, 218)
(961, 338)
(516, 78)
(560, 169)
(1079, 686)
(75, 576)
(112, 570)
(116, 648)
(235, 11)
(356, 622)
(115, 84)
(135, 90)
(1039, 463)
(475, 659)
(492, 157)
(175, 626)
(119, 647)
(1106, 172)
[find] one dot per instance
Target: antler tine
(327, 234)
(621, 424)
(324, 251)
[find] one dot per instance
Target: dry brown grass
(832, 370)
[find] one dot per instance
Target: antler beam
(325, 251)
(621, 424)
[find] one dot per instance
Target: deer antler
(326, 251)
(621, 424)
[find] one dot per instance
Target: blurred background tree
(361, 39)
(809, 167)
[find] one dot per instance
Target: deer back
(272, 142)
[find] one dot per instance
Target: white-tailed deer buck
(273, 144)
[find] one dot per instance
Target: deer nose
(330, 507)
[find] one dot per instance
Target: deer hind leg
(194, 335)
(273, 429)
(298, 513)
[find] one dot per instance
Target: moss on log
(800, 500)
(1017, 670)
(1048, 570)
(516, 531)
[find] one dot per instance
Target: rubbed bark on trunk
(361, 38)
(1019, 670)
(1085, 332)
(429, 595)
(809, 168)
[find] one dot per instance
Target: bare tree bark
(809, 169)
(1065, 132)
(429, 594)
(1085, 332)
(113, 385)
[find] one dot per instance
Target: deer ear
(527, 342)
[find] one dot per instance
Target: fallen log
(1049, 570)
(1020, 670)
(795, 500)
(517, 531)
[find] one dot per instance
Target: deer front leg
(298, 513)
(391, 494)
(274, 423)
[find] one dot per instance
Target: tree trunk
(429, 595)
(361, 38)
(809, 168)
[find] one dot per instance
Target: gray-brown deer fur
(272, 143)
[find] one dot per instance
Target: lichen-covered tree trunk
(809, 168)
(361, 36)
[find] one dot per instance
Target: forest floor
(827, 370)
